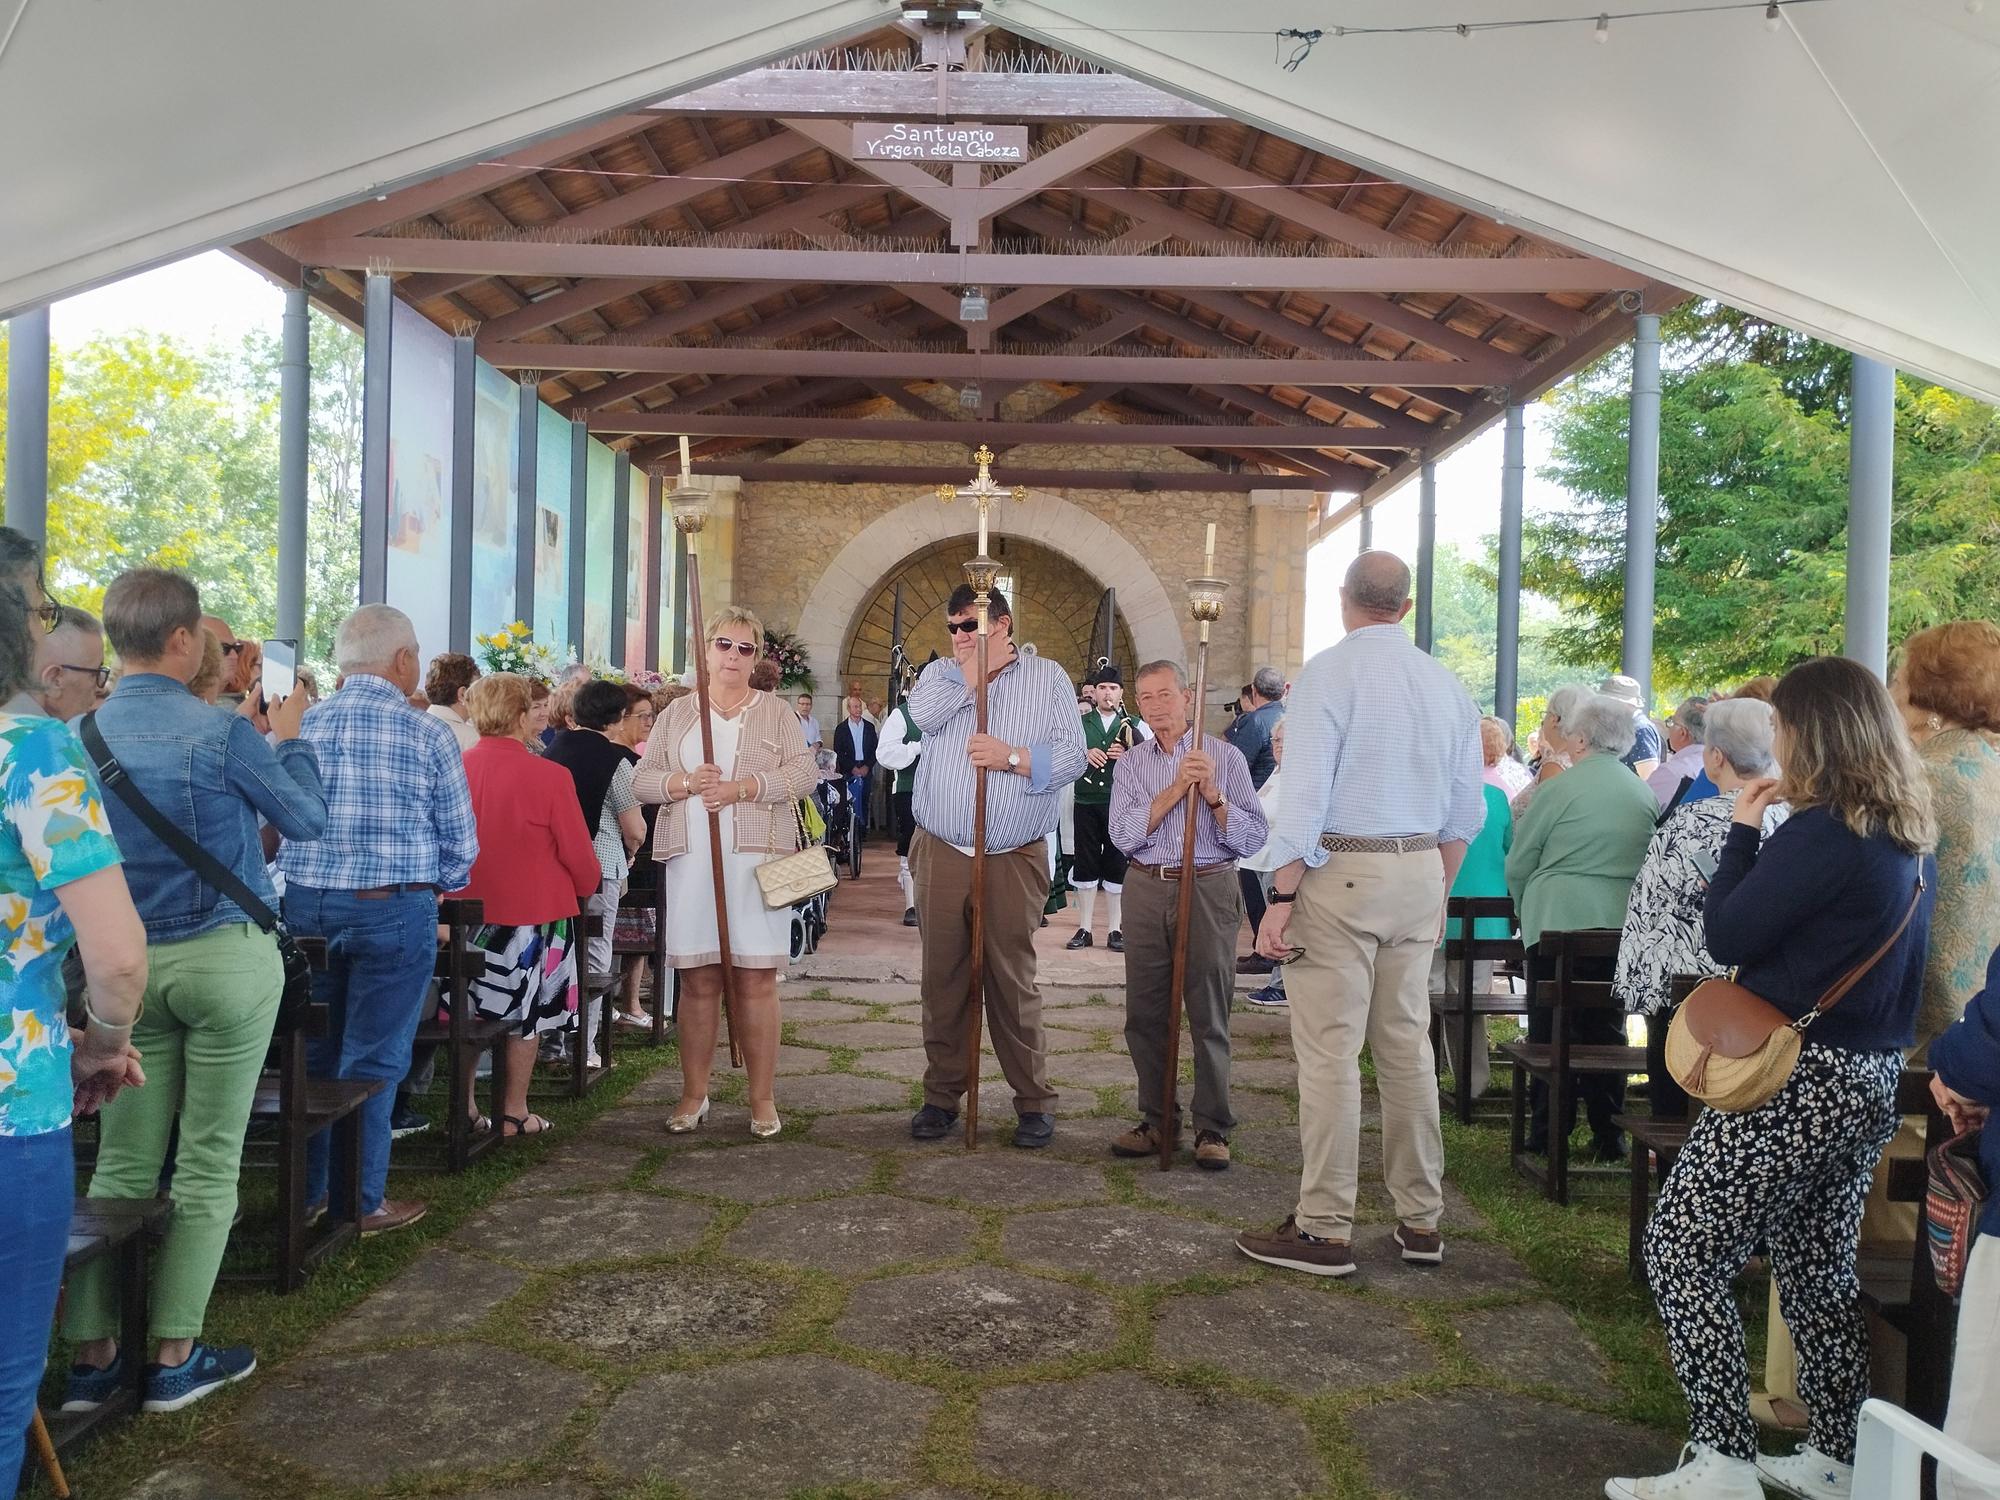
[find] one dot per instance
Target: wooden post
(976, 978)
(700, 654)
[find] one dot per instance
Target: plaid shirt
(398, 810)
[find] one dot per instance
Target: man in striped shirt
(1382, 793)
(1033, 747)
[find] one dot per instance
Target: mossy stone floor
(614, 1315)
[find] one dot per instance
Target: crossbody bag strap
(212, 870)
(1860, 971)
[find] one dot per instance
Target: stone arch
(853, 575)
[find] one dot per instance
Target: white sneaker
(1809, 1474)
(1703, 1474)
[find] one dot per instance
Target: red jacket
(536, 861)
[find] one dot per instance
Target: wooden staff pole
(1205, 603)
(976, 980)
(714, 817)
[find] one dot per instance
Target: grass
(1574, 1254)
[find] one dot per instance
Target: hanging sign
(906, 140)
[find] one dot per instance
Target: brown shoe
(393, 1215)
(1295, 1250)
(1422, 1246)
(1211, 1152)
(1142, 1139)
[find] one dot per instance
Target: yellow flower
(519, 628)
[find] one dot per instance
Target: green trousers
(211, 1002)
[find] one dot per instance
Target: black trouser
(1097, 860)
(1251, 884)
(906, 819)
(1670, 1100)
(1602, 1094)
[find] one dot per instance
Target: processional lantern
(690, 502)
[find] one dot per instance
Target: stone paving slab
(1524, 1449)
(1002, 1179)
(188, 1482)
(796, 997)
(978, 1317)
(594, 1160)
(1092, 1069)
(361, 1419)
(634, 1314)
(804, 1008)
(835, 1093)
(1275, 1146)
(550, 1232)
(437, 1294)
(1089, 1139)
(1248, 1105)
(863, 1034)
(1245, 1196)
(1536, 1343)
(1293, 1334)
(1470, 1269)
(766, 1172)
(643, 1127)
(852, 1236)
(766, 1427)
(877, 1130)
(1127, 1246)
(531, 1492)
(1113, 1437)
(1263, 1073)
(910, 1062)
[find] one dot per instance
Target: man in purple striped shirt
(1149, 793)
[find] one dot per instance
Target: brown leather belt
(384, 892)
(1173, 872)
(1347, 843)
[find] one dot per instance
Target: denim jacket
(210, 772)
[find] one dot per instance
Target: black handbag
(297, 993)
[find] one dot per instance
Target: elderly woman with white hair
(1574, 857)
(1663, 924)
(1559, 743)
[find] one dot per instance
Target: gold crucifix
(982, 492)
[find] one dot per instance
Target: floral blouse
(53, 831)
(1663, 933)
(1963, 767)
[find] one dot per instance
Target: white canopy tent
(1839, 175)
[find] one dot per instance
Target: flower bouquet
(513, 648)
(788, 653)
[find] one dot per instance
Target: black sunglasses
(230, 648)
(962, 627)
(741, 648)
(101, 674)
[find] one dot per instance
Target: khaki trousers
(1368, 924)
(1152, 908)
(1017, 887)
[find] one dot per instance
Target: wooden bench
(653, 899)
(1558, 1063)
(463, 1034)
(1902, 1290)
(601, 991)
(1660, 1134)
(1461, 1009)
(120, 1228)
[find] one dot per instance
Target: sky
(211, 298)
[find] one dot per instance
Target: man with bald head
(1382, 792)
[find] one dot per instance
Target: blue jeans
(40, 1175)
(379, 958)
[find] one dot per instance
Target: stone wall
(787, 535)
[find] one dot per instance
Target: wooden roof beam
(863, 94)
(1160, 434)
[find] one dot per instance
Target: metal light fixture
(969, 395)
(972, 305)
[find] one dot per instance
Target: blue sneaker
(90, 1388)
(207, 1370)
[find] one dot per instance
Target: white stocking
(1114, 898)
(1086, 907)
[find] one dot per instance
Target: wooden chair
(120, 1228)
(1461, 1009)
(653, 900)
(463, 1034)
(1902, 1289)
(600, 990)
(1558, 1063)
(1658, 1135)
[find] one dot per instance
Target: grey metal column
(1642, 503)
(1367, 527)
(680, 601)
(1871, 438)
(377, 311)
(579, 525)
(1507, 657)
(464, 413)
(28, 423)
(655, 519)
(294, 434)
(1427, 535)
(621, 552)
(527, 520)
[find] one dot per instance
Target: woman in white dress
(761, 769)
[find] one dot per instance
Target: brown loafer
(1142, 1139)
(1421, 1246)
(394, 1214)
(1292, 1248)
(1211, 1152)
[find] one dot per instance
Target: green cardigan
(1484, 872)
(1578, 850)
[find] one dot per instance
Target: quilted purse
(1953, 1201)
(795, 878)
(1732, 1049)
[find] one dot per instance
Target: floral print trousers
(1791, 1175)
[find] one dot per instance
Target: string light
(1772, 20)
(1603, 32)
(1600, 23)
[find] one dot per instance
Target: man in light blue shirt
(1382, 792)
(1033, 747)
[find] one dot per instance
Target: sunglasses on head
(49, 612)
(741, 648)
(962, 627)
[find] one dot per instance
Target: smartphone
(1705, 863)
(281, 670)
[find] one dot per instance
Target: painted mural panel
(637, 601)
(552, 523)
(419, 571)
(600, 467)
(496, 479)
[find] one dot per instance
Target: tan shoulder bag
(1732, 1049)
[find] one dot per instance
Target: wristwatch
(1218, 804)
(1281, 897)
(1013, 760)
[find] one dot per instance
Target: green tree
(1466, 634)
(1751, 570)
